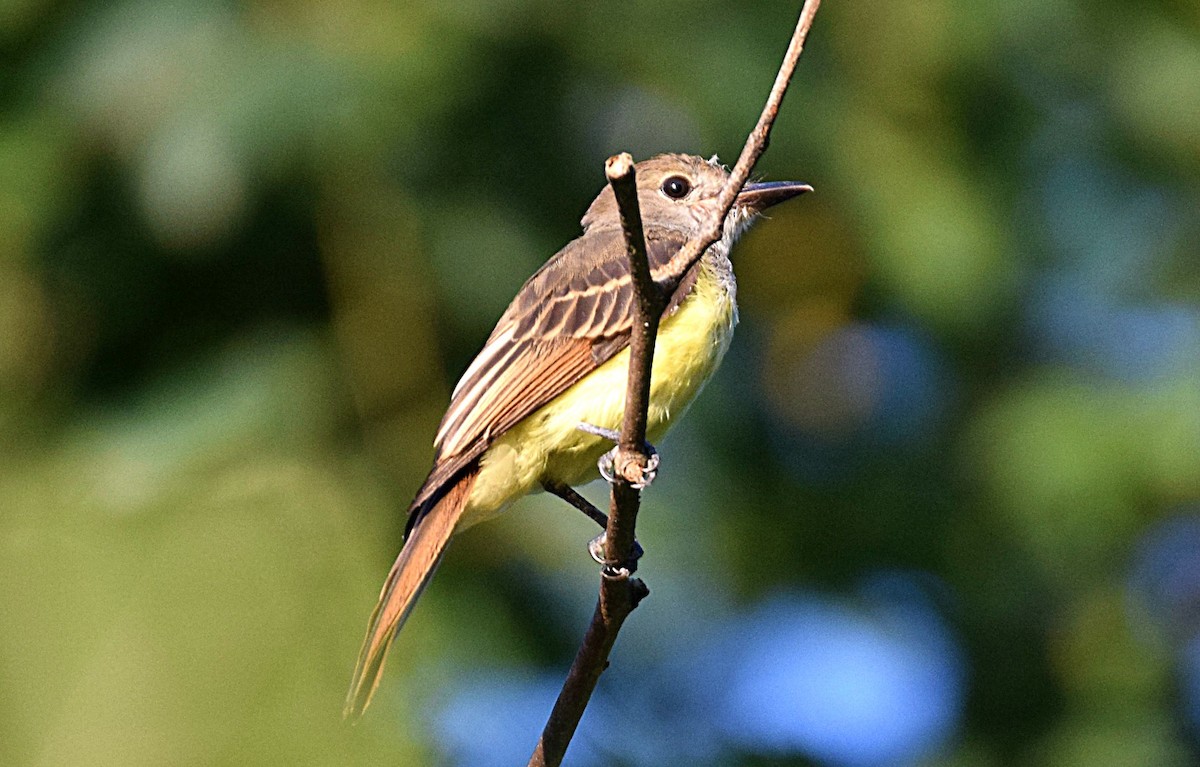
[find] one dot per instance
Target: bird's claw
(607, 463)
(596, 549)
(644, 476)
(651, 470)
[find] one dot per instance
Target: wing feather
(573, 315)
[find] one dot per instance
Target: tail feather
(410, 574)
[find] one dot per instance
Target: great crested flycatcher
(558, 358)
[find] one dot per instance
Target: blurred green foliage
(246, 248)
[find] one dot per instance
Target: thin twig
(756, 142)
(619, 592)
(647, 310)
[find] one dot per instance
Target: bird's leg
(596, 545)
(568, 494)
(607, 462)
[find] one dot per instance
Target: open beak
(760, 195)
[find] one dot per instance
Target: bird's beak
(760, 195)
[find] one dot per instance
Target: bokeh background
(940, 507)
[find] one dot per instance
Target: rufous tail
(414, 567)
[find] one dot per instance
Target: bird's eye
(676, 187)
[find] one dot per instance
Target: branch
(756, 142)
(620, 593)
(647, 311)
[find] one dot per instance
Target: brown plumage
(573, 315)
(570, 318)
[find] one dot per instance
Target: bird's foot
(596, 549)
(638, 477)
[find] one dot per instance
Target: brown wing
(573, 315)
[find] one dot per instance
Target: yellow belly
(547, 445)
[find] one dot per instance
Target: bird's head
(679, 191)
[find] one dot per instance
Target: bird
(530, 410)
